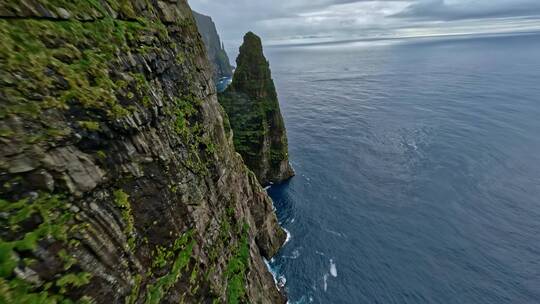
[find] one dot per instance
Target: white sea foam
(325, 283)
(295, 254)
(292, 221)
(368, 107)
(288, 236)
(333, 268)
(334, 232)
(303, 300)
(423, 109)
(267, 187)
(272, 271)
(282, 281)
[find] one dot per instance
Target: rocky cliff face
(216, 53)
(119, 181)
(252, 106)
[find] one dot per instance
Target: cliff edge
(253, 108)
(119, 181)
(214, 47)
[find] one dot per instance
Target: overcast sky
(285, 21)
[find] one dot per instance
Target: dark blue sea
(418, 167)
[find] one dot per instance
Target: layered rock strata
(119, 181)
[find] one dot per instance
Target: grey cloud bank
(325, 20)
(455, 10)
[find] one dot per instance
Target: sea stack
(252, 106)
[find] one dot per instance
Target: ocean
(418, 170)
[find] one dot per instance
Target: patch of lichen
(30, 222)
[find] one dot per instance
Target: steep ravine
(119, 181)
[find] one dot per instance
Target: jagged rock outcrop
(119, 181)
(214, 47)
(252, 106)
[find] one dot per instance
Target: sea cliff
(214, 47)
(120, 180)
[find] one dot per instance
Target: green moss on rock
(236, 269)
(121, 199)
(52, 221)
(182, 249)
(253, 109)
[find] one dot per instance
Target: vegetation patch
(237, 269)
(89, 125)
(30, 221)
(121, 199)
(193, 134)
(65, 64)
(132, 298)
(182, 249)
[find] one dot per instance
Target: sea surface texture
(418, 167)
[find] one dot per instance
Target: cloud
(462, 9)
(350, 19)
